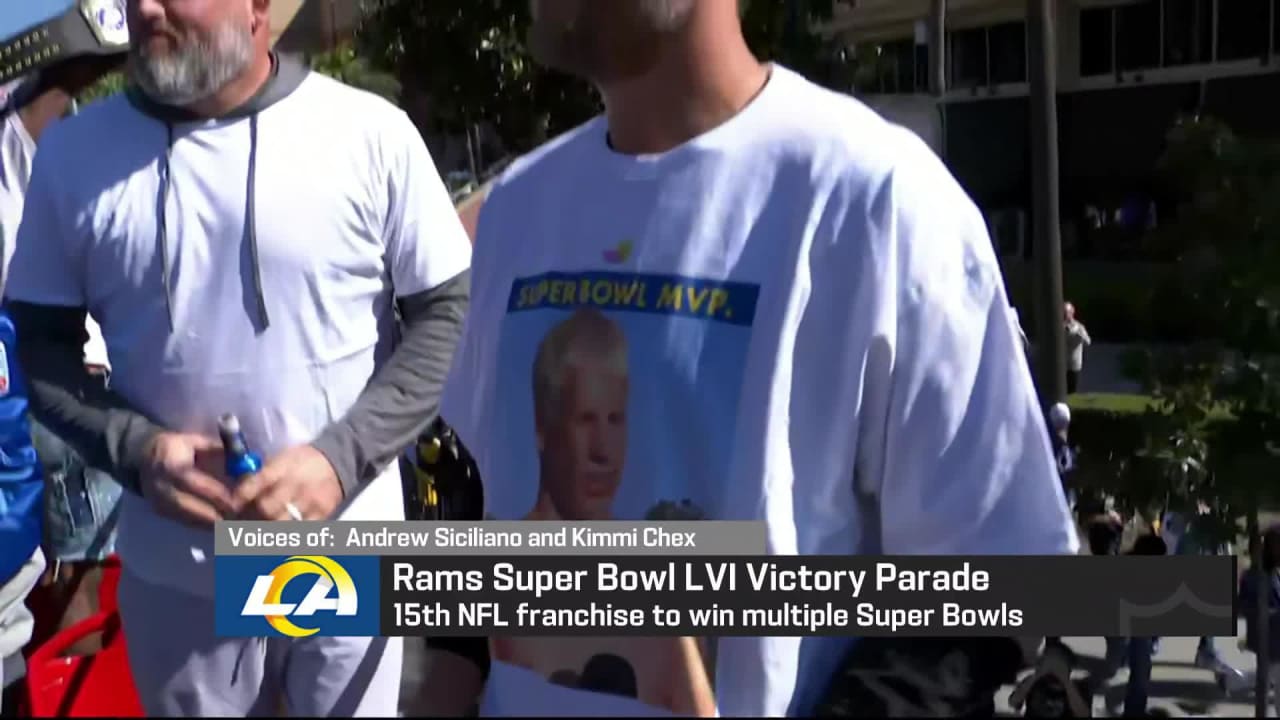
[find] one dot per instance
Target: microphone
(611, 674)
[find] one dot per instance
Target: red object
(98, 685)
(107, 586)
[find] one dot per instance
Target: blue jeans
(1137, 652)
(81, 503)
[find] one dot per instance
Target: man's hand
(183, 479)
(297, 484)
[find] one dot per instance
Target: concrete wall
(313, 25)
(881, 20)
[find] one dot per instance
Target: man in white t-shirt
(818, 332)
(244, 231)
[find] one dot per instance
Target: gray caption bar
(489, 538)
(788, 596)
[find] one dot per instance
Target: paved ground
(1177, 687)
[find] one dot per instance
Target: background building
(1126, 70)
(312, 26)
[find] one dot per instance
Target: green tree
(108, 85)
(1214, 434)
(469, 57)
(346, 65)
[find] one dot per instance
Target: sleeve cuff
(132, 433)
(338, 445)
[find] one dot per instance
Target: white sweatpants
(181, 669)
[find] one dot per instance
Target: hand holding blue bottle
(298, 484)
(183, 479)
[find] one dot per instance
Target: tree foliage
(1226, 237)
(469, 57)
(107, 85)
(347, 66)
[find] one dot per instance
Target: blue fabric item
(21, 479)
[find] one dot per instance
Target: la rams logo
(266, 598)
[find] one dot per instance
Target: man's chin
(171, 98)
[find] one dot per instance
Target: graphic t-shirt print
(620, 395)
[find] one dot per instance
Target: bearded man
(244, 232)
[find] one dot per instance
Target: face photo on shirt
(609, 382)
(580, 397)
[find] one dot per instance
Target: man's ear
(260, 11)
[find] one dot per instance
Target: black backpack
(922, 677)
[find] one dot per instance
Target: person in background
(256, 239)
(57, 587)
(1105, 532)
(1060, 428)
(81, 502)
(1137, 652)
(1268, 574)
(1190, 536)
(1059, 418)
(21, 495)
(1077, 338)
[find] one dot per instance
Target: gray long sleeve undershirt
(404, 397)
(398, 404)
(77, 407)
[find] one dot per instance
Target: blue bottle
(241, 461)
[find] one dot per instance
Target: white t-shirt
(17, 149)
(350, 213)
(814, 333)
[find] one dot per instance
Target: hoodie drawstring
(250, 219)
(162, 229)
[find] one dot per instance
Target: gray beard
(194, 71)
